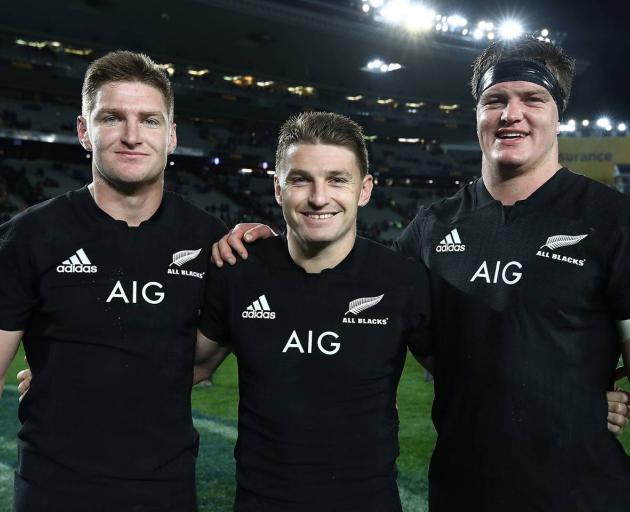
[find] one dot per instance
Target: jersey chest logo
(259, 309)
(560, 241)
(357, 306)
(451, 243)
(78, 263)
(180, 258)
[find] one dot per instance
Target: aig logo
(148, 293)
(507, 273)
(324, 343)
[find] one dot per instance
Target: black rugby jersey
(525, 313)
(110, 315)
(319, 359)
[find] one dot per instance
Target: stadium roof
(273, 40)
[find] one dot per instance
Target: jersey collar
(544, 195)
(89, 208)
(350, 265)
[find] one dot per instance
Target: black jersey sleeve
(618, 292)
(18, 276)
(418, 337)
(214, 318)
(410, 241)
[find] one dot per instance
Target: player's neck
(314, 257)
(132, 206)
(511, 185)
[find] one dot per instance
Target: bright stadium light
(465, 32)
(510, 29)
(544, 32)
(395, 11)
(374, 64)
(621, 127)
(491, 35)
(365, 8)
(457, 21)
(585, 122)
(420, 18)
(478, 33)
(377, 3)
(603, 122)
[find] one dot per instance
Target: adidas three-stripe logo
(78, 263)
(259, 309)
(451, 243)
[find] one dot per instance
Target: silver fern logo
(357, 306)
(181, 257)
(557, 241)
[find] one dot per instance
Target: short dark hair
(322, 128)
(558, 62)
(125, 66)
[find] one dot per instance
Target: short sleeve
(419, 338)
(18, 277)
(214, 318)
(618, 292)
(410, 241)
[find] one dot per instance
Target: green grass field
(214, 411)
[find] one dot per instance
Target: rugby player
(319, 321)
(531, 306)
(104, 285)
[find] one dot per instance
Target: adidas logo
(259, 309)
(78, 263)
(451, 243)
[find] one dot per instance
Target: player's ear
(367, 184)
(172, 138)
(276, 188)
(82, 133)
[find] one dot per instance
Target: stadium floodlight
(395, 11)
(567, 127)
(457, 21)
(490, 36)
(271, 172)
(621, 127)
(245, 170)
(420, 18)
(465, 32)
(377, 4)
(265, 165)
(379, 66)
(585, 122)
(365, 8)
(603, 122)
(478, 33)
(544, 32)
(571, 122)
(374, 64)
(510, 29)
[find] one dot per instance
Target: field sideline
(214, 412)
